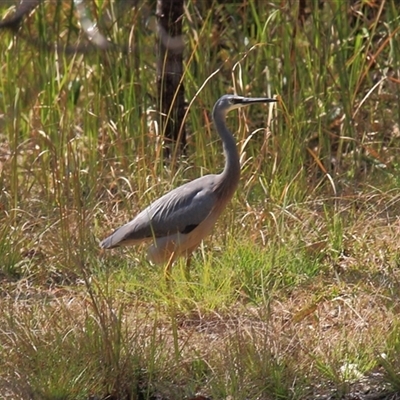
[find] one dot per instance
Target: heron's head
(230, 102)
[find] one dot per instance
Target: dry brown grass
(296, 293)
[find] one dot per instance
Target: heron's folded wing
(180, 210)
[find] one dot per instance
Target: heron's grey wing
(180, 210)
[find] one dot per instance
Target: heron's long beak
(251, 100)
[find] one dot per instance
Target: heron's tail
(107, 243)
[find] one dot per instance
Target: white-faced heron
(177, 222)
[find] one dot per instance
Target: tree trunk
(171, 101)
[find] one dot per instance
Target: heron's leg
(187, 269)
(168, 268)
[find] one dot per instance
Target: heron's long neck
(231, 173)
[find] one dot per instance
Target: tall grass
(298, 282)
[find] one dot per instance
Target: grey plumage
(185, 206)
(178, 221)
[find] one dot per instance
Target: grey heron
(177, 222)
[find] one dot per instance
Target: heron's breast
(181, 244)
